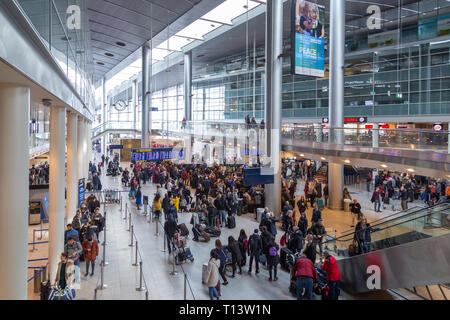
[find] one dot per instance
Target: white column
(188, 85)
(274, 73)
(85, 148)
(72, 181)
(56, 187)
(80, 138)
(14, 118)
(375, 135)
(187, 150)
(336, 100)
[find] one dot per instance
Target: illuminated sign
(349, 120)
(308, 38)
(437, 127)
(156, 154)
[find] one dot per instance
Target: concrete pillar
(87, 139)
(14, 120)
(318, 132)
(146, 101)
(274, 73)
(134, 99)
(56, 187)
(187, 150)
(80, 139)
(104, 113)
(336, 98)
(72, 161)
(375, 135)
(448, 139)
(188, 85)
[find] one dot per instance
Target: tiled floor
(122, 278)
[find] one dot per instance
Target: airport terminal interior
(225, 149)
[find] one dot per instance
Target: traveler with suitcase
(170, 228)
(222, 253)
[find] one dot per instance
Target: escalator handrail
(395, 213)
(380, 229)
(407, 214)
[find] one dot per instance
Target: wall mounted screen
(308, 38)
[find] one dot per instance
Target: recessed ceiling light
(384, 166)
(100, 63)
(120, 43)
(347, 161)
(410, 170)
(109, 54)
(322, 158)
(302, 155)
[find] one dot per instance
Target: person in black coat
(272, 260)
(170, 227)
(310, 249)
(236, 256)
(362, 235)
(266, 236)
(303, 223)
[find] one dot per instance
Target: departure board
(156, 154)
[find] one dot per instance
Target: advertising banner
(308, 38)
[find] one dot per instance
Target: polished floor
(122, 278)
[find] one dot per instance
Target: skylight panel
(198, 29)
(228, 10)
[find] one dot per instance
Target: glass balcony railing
(410, 139)
(418, 224)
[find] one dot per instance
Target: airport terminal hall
(225, 158)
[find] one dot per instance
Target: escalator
(407, 250)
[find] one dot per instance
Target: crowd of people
(38, 174)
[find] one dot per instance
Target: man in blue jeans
(305, 273)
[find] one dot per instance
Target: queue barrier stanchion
(136, 256)
(131, 236)
(126, 211)
(102, 283)
(157, 231)
(129, 221)
(141, 275)
(146, 295)
(104, 262)
(185, 285)
(34, 242)
(120, 200)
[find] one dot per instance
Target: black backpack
(253, 243)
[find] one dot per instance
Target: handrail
(396, 213)
(415, 218)
(181, 266)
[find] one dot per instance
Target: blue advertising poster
(81, 191)
(308, 38)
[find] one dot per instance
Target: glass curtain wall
(401, 69)
(69, 46)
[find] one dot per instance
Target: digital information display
(156, 154)
(308, 38)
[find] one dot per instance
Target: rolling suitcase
(231, 222)
(204, 273)
(320, 203)
(284, 253)
(183, 229)
(205, 236)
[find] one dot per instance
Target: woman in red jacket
(333, 275)
(90, 248)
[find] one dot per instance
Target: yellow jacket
(176, 202)
(157, 205)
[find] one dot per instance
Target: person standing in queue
(222, 253)
(213, 274)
